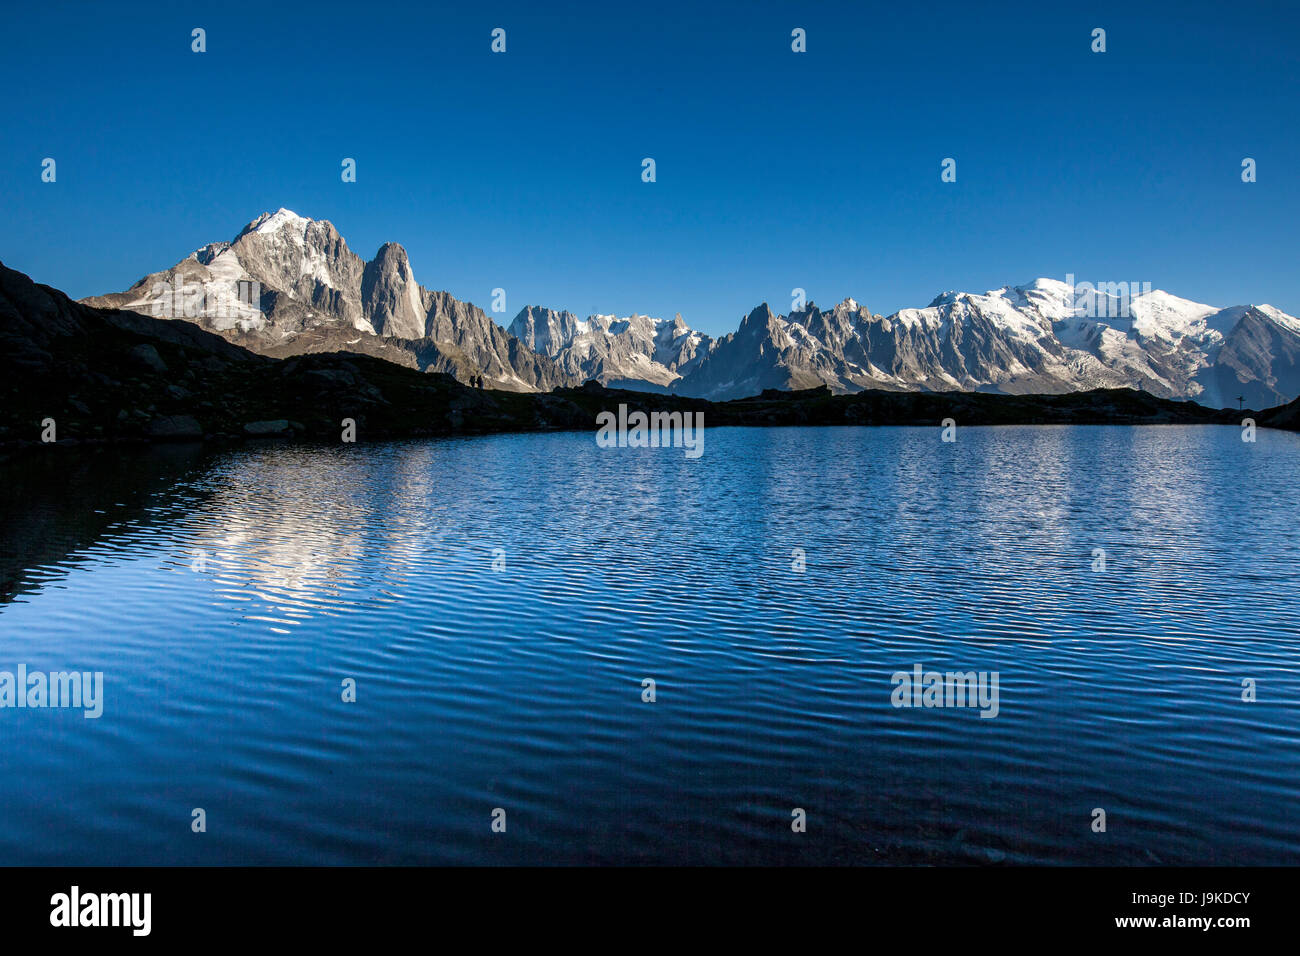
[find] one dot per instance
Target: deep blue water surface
(520, 687)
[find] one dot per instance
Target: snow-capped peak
(1053, 287)
(1280, 317)
(274, 222)
(1161, 315)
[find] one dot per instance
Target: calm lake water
(226, 597)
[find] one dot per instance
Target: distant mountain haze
(288, 285)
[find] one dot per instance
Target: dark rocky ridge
(109, 376)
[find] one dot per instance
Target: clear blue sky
(775, 169)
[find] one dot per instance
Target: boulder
(146, 356)
(174, 428)
(273, 428)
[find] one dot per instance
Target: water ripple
(500, 601)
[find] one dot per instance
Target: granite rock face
(287, 285)
(636, 351)
(390, 297)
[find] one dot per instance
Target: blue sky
(774, 169)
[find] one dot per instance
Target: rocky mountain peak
(391, 299)
(761, 317)
(288, 285)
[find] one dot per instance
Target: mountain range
(288, 285)
(105, 377)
